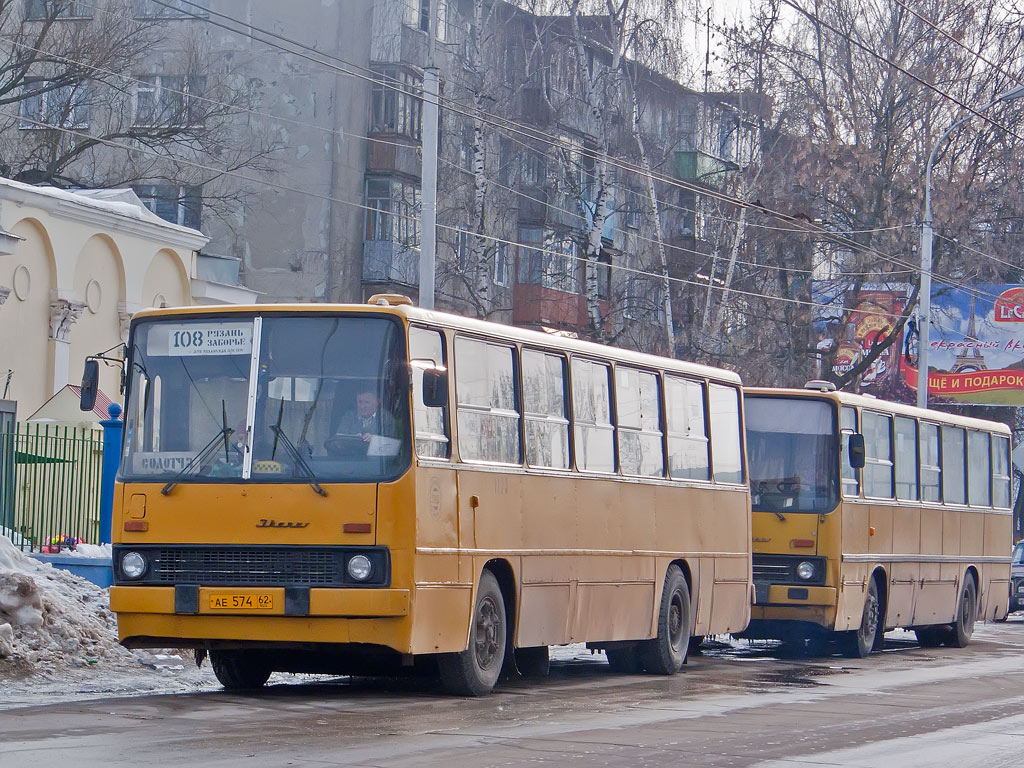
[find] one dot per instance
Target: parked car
(1017, 578)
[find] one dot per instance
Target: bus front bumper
(147, 616)
(259, 601)
(790, 603)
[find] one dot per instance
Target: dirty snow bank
(57, 635)
(48, 616)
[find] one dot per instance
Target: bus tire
(474, 671)
(666, 653)
(966, 614)
(533, 661)
(858, 643)
(624, 660)
(240, 670)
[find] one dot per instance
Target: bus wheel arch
(882, 584)
(688, 578)
(475, 670)
(666, 653)
(860, 642)
(962, 628)
(502, 571)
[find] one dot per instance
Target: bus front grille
(252, 566)
(256, 566)
(781, 569)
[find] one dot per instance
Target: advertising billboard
(976, 346)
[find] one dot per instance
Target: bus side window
(953, 476)
(878, 458)
(488, 418)
(906, 458)
(544, 406)
(592, 417)
(1000, 471)
(687, 430)
(931, 469)
(430, 424)
(638, 417)
(979, 469)
(848, 426)
(726, 453)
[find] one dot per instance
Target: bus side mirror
(90, 384)
(435, 388)
(857, 450)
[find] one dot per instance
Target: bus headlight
(359, 567)
(805, 570)
(133, 565)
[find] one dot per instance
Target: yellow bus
(871, 515)
(343, 488)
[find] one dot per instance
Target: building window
(633, 209)
(171, 9)
(58, 9)
(176, 204)
(548, 260)
(64, 106)
(502, 265)
(393, 213)
(395, 107)
(168, 100)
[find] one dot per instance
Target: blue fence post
(112, 429)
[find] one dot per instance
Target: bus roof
(457, 322)
(877, 404)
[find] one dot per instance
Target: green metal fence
(50, 485)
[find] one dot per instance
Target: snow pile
(50, 618)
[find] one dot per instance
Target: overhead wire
(502, 123)
(374, 77)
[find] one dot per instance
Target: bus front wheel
(966, 613)
(240, 670)
(858, 643)
(666, 653)
(474, 671)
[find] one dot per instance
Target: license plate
(252, 602)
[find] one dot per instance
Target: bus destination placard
(194, 339)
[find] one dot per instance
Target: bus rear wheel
(240, 670)
(666, 653)
(858, 643)
(474, 671)
(966, 614)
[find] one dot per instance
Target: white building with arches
(74, 268)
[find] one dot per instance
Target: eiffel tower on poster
(970, 359)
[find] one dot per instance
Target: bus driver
(368, 430)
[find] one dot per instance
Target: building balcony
(534, 108)
(388, 262)
(392, 155)
(702, 168)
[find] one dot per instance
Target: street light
(925, 293)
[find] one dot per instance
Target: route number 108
(186, 339)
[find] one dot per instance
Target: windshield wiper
(294, 452)
(199, 460)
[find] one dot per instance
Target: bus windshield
(792, 454)
(279, 398)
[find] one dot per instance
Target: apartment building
(308, 168)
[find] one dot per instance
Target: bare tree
(79, 108)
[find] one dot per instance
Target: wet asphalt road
(746, 706)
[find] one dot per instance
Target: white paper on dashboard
(383, 446)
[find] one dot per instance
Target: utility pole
(428, 173)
